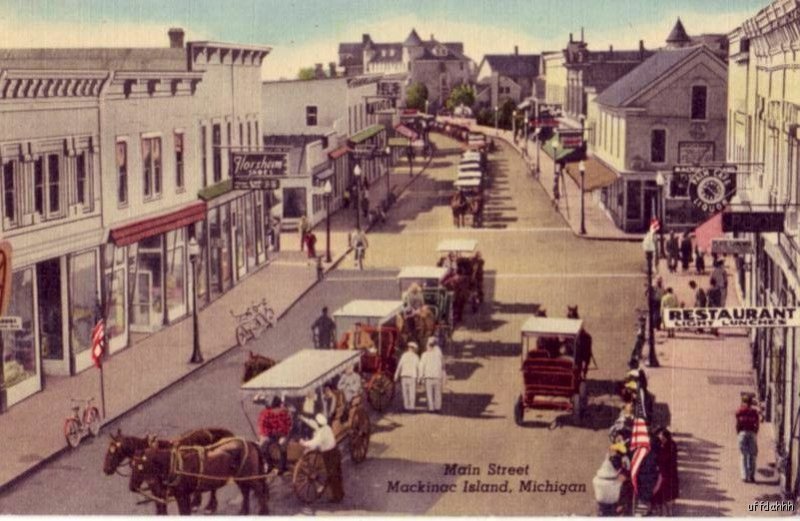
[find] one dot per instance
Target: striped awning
(405, 131)
(135, 232)
(339, 152)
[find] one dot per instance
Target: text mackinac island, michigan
(470, 479)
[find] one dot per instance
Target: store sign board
(570, 138)
(731, 246)
(10, 323)
(753, 222)
(738, 317)
(257, 170)
(710, 188)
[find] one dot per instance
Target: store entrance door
(51, 323)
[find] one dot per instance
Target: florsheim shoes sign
(693, 318)
(257, 170)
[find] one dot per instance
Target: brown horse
(458, 205)
(418, 327)
(183, 471)
(255, 365)
(123, 448)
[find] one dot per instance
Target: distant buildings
(508, 76)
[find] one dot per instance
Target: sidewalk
(32, 430)
(598, 225)
(699, 382)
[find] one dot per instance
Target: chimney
(570, 37)
(432, 38)
(581, 34)
(319, 72)
(176, 38)
(332, 69)
(365, 38)
(516, 50)
(641, 50)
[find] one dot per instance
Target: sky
(304, 32)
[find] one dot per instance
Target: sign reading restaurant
(693, 318)
(257, 170)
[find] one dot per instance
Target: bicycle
(265, 315)
(254, 321)
(78, 426)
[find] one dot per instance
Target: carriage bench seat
(549, 377)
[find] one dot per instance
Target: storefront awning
(563, 153)
(212, 192)
(709, 230)
(399, 142)
(339, 152)
(323, 175)
(365, 134)
(597, 175)
(405, 131)
(131, 233)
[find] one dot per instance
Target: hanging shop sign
(738, 317)
(257, 170)
(727, 246)
(571, 138)
(710, 187)
(753, 222)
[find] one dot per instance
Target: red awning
(339, 152)
(711, 229)
(135, 232)
(406, 132)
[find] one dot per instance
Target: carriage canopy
(305, 371)
(538, 326)
(422, 273)
(370, 312)
(458, 246)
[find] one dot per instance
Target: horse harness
(177, 464)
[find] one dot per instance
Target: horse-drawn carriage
(371, 328)
(294, 378)
(464, 277)
(555, 358)
(435, 315)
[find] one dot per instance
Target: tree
(461, 95)
(416, 95)
(306, 73)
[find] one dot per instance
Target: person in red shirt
(274, 426)
(747, 422)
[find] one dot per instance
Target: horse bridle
(117, 446)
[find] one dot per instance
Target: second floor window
(658, 146)
(203, 155)
(311, 116)
(249, 135)
(699, 95)
(241, 134)
(47, 189)
(151, 164)
(122, 172)
(216, 150)
(9, 192)
(38, 186)
(81, 186)
(179, 160)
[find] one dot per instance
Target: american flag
(98, 342)
(640, 442)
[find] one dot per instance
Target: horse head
(572, 312)
(146, 466)
(114, 454)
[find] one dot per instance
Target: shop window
(634, 208)
(19, 353)
(9, 192)
(83, 299)
(200, 282)
(699, 95)
(151, 163)
(179, 180)
(658, 145)
(122, 172)
(176, 274)
(311, 116)
(216, 150)
(116, 318)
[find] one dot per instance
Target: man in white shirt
(407, 372)
(431, 371)
(325, 442)
(350, 384)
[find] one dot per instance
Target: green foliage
(416, 95)
(306, 73)
(461, 95)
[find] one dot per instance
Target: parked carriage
(465, 273)
(295, 378)
(552, 367)
(371, 327)
(437, 298)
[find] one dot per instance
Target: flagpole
(102, 394)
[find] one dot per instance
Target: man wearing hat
(407, 372)
(325, 442)
(747, 422)
(431, 373)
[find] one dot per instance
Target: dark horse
(123, 448)
(255, 365)
(583, 344)
(459, 206)
(183, 471)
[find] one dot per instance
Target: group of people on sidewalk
(427, 369)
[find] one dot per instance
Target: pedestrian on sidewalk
(658, 294)
(714, 297)
(747, 423)
(699, 261)
(365, 204)
(302, 229)
(311, 244)
(686, 252)
(276, 233)
(673, 249)
(669, 301)
(667, 492)
(358, 241)
(700, 298)
(721, 277)
(556, 194)
(320, 269)
(431, 373)
(323, 331)
(407, 372)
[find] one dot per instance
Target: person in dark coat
(667, 493)
(686, 252)
(699, 261)
(673, 250)
(646, 481)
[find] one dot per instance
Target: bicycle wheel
(242, 335)
(91, 418)
(267, 317)
(72, 432)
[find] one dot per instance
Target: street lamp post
(387, 154)
(537, 133)
(427, 104)
(357, 173)
(496, 109)
(327, 190)
(527, 125)
(194, 256)
(582, 169)
(649, 246)
(514, 126)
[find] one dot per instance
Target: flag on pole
(640, 444)
(98, 342)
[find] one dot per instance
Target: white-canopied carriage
(437, 299)
(295, 378)
(458, 246)
(550, 365)
(425, 276)
(369, 327)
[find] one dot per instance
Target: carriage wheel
(359, 436)
(309, 477)
(519, 412)
(72, 432)
(380, 391)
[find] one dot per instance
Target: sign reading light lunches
(710, 187)
(720, 318)
(257, 170)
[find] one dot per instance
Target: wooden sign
(5, 276)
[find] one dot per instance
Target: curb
(604, 238)
(63, 450)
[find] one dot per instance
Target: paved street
(532, 259)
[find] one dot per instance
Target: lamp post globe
(193, 249)
(357, 173)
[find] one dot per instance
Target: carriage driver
(274, 426)
(413, 301)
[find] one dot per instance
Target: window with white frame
(151, 165)
(47, 185)
(179, 150)
(122, 172)
(82, 180)
(311, 115)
